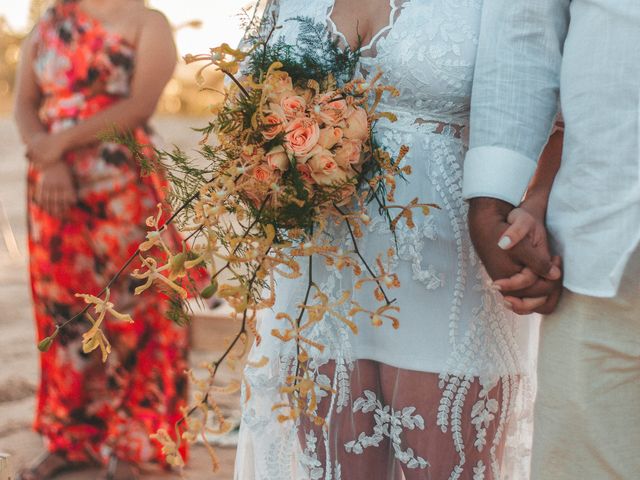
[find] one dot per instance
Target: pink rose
(329, 136)
(348, 153)
(302, 135)
(293, 106)
(273, 125)
(278, 159)
(324, 168)
(357, 124)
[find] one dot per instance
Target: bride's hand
(527, 223)
(522, 224)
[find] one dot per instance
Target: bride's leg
(339, 436)
(406, 389)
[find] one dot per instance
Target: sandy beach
(18, 352)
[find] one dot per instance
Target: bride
(449, 394)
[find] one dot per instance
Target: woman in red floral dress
(90, 65)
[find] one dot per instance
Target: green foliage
(315, 55)
(178, 311)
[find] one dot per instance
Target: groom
(587, 420)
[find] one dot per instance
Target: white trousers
(587, 414)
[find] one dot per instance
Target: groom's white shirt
(594, 210)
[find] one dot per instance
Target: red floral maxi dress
(86, 409)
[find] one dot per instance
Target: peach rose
(330, 110)
(305, 93)
(278, 85)
(348, 153)
(305, 173)
(324, 168)
(253, 198)
(278, 159)
(346, 194)
(252, 154)
(293, 106)
(357, 124)
(273, 126)
(262, 174)
(276, 109)
(329, 136)
(302, 135)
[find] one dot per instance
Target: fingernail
(555, 272)
(504, 242)
(508, 305)
(496, 287)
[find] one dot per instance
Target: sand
(18, 352)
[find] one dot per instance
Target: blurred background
(199, 25)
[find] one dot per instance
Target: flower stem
(129, 261)
(303, 308)
(235, 80)
(357, 250)
(216, 364)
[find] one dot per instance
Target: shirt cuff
(496, 172)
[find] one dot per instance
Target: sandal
(214, 302)
(116, 468)
(47, 466)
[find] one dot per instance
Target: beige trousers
(587, 414)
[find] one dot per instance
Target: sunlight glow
(219, 17)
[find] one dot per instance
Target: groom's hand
(526, 281)
(540, 284)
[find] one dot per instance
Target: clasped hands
(55, 190)
(512, 243)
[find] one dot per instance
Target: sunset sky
(219, 17)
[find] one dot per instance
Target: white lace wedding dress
(449, 394)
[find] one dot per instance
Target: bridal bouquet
(300, 151)
(288, 154)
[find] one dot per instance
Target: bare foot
(48, 466)
(214, 302)
(120, 470)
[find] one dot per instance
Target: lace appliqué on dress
(389, 423)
